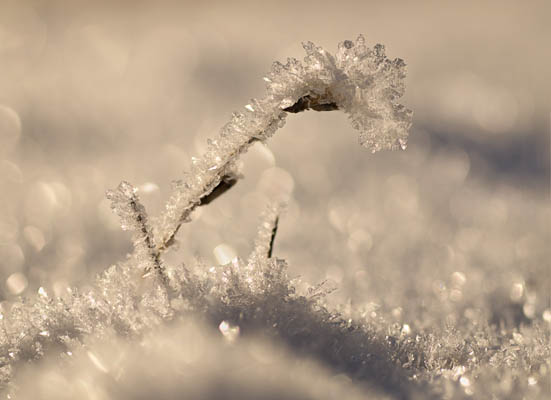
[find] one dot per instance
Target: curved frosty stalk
(358, 80)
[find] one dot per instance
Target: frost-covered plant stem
(126, 204)
(220, 183)
(265, 237)
(358, 80)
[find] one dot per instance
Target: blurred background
(92, 93)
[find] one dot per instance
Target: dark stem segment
(272, 239)
(309, 102)
(225, 184)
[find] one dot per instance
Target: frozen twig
(309, 102)
(264, 241)
(223, 185)
(272, 238)
(126, 204)
(359, 80)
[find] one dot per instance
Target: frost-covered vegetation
(246, 329)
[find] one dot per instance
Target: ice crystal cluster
(149, 329)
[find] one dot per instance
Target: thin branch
(272, 239)
(310, 102)
(182, 203)
(220, 185)
(225, 184)
(151, 250)
(267, 231)
(126, 204)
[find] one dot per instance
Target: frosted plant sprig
(126, 204)
(265, 237)
(359, 80)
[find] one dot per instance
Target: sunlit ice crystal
(229, 331)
